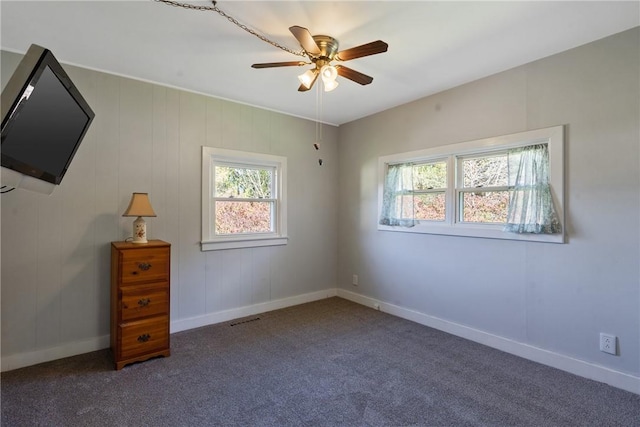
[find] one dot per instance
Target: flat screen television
(44, 118)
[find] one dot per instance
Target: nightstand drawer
(144, 336)
(144, 300)
(142, 265)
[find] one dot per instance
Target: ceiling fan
(322, 50)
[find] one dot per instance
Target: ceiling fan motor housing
(328, 48)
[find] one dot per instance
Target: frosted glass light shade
(307, 78)
(328, 72)
(330, 85)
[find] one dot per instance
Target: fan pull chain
(317, 141)
(215, 8)
(319, 112)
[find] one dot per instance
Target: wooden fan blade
(305, 39)
(280, 64)
(354, 75)
(372, 48)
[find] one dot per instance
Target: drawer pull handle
(144, 302)
(144, 338)
(144, 266)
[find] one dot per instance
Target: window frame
(225, 157)
(552, 136)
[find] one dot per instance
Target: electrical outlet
(354, 280)
(608, 343)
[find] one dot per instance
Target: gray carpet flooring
(326, 363)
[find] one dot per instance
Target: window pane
(425, 207)
(490, 171)
(243, 217)
(243, 182)
(487, 207)
(429, 207)
(430, 175)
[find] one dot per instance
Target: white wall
(543, 300)
(148, 138)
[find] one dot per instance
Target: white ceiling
(433, 45)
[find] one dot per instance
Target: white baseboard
(22, 360)
(249, 310)
(566, 363)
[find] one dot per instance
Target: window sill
(470, 230)
(244, 242)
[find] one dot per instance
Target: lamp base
(139, 231)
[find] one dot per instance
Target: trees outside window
(244, 199)
(483, 196)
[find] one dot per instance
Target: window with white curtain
(243, 199)
(415, 192)
(506, 187)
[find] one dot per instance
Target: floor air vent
(244, 321)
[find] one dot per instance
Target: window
(483, 190)
(508, 187)
(243, 199)
(416, 191)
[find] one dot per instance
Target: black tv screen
(46, 121)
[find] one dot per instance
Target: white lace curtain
(531, 208)
(397, 197)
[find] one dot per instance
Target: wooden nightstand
(139, 301)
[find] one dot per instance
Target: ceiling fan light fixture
(328, 73)
(330, 85)
(307, 78)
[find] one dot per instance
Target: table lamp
(139, 206)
